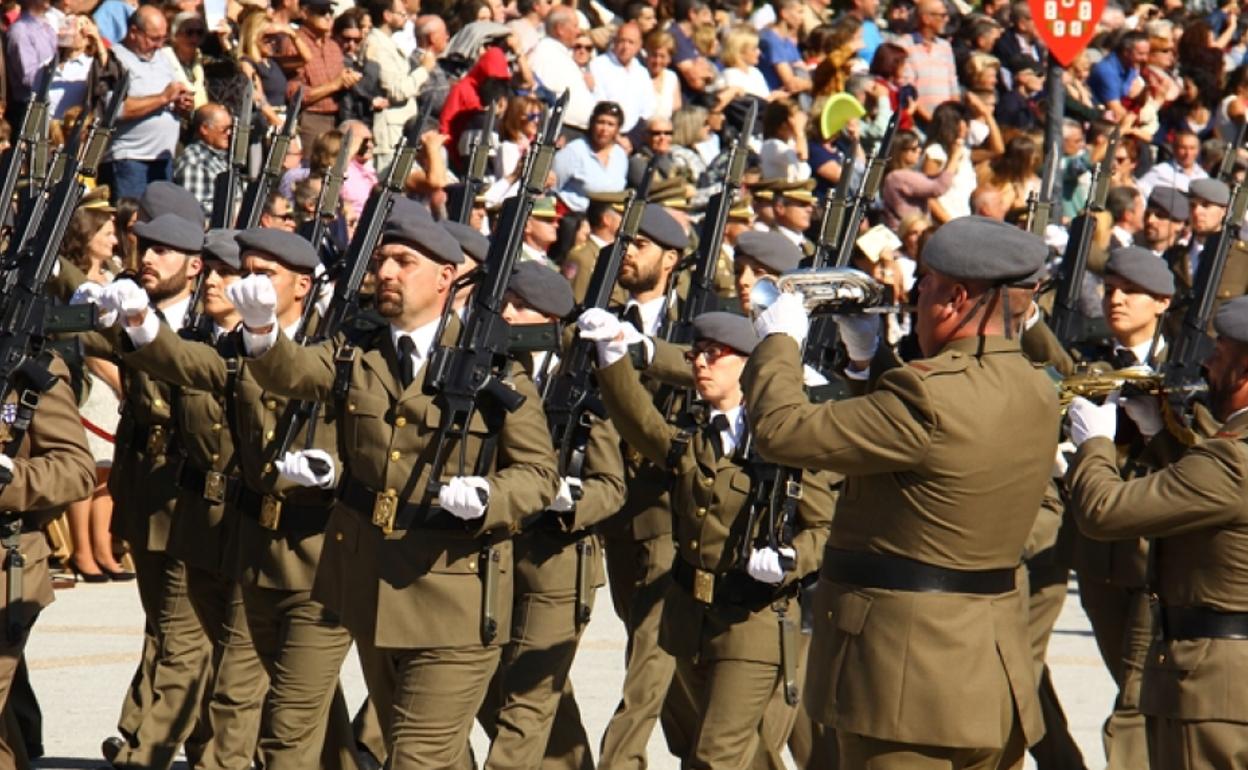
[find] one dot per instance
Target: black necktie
(632, 314)
(719, 424)
(407, 365)
(1123, 358)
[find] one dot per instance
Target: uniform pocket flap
(851, 612)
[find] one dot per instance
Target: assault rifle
(474, 179)
(227, 184)
(257, 194)
(832, 222)
(21, 152)
(867, 192)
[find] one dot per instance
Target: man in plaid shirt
(197, 167)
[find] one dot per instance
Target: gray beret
(1170, 201)
(735, 331)
(769, 249)
(1211, 190)
(660, 227)
(220, 245)
(542, 289)
(173, 231)
(409, 223)
(1231, 320)
(471, 241)
(293, 251)
(168, 198)
(1142, 268)
(975, 248)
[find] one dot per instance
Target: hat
(542, 289)
(769, 249)
(173, 231)
(613, 199)
(544, 208)
(764, 189)
(660, 227)
(96, 199)
(293, 251)
(471, 241)
(976, 248)
(838, 110)
(163, 197)
(410, 224)
(222, 246)
(1211, 190)
(672, 192)
(1231, 320)
(802, 191)
(735, 331)
(1171, 202)
(741, 212)
(1142, 268)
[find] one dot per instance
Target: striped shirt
(930, 67)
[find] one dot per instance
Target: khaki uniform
(430, 678)
(1197, 512)
(300, 642)
(52, 469)
(1234, 281)
(933, 476)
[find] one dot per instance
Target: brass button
(268, 435)
(700, 512)
(270, 404)
(472, 564)
(400, 421)
(158, 403)
(216, 426)
(268, 467)
(338, 536)
(706, 481)
(391, 492)
(693, 544)
(394, 456)
(351, 407)
(215, 457)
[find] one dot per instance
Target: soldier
(758, 255)
(1208, 199)
(1165, 216)
(1195, 510)
(762, 198)
(603, 216)
(541, 230)
(946, 461)
(284, 502)
(41, 472)
(720, 616)
(794, 207)
(392, 561)
(474, 246)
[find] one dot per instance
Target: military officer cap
(471, 241)
(660, 227)
(542, 289)
(1171, 202)
(168, 198)
(764, 189)
(1231, 320)
(769, 249)
(173, 231)
(222, 246)
(803, 191)
(544, 208)
(1212, 190)
(409, 223)
(735, 331)
(975, 248)
(671, 192)
(742, 212)
(1142, 268)
(615, 198)
(293, 251)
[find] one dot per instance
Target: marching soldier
(393, 558)
(603, 216)
(1208, 199)
(946, 461)
(1195, 510)
(793, 207)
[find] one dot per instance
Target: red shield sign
(1066, 26)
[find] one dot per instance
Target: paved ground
(86, 645)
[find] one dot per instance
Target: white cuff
(259, 344)
(1033, 317)
(611, 351)
(648, 345)
(143, 334)
(859, 375)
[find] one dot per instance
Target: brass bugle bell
(825, 291)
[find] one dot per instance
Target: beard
(158, 289)
(639, 280)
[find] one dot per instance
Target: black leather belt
(895, 573)
(1202, 623)
(386, 512)
(735, 588)
(213, 486)
(281, 515)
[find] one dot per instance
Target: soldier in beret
(1165, 216)
(1208, 200)
(475, 247)
(603, 216)
(396, 557)
(934, 452)
(1193, 510)
(729, 591)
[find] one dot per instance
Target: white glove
(787, 315)
(92, 293)
(861, 335)
(6, 465)
(126, 297)
(565, 498)
(461, 496)
(603, 328)
(1145, 412)
(764, 565)
(1087, 420)
(298, 467)
(1060, 461)
(255, 300)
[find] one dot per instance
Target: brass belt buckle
(270, 512)
(384, 509)
(704, 586)
(155, 441)
(214, 487)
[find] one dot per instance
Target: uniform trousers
(304, 720)
(12, 746)
(1057, 750)
(731, 697)
(812, 745)
(1122, 623)
(1178, 744)
(164, 697)
(861, 752)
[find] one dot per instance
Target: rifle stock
(226, 185)
(475, 178)
(867, 193)
(259, 190)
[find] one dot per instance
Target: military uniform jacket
(1197, 512)
(945, 462)
(388, 589)
(1234, 275)
(284, 559)
(709, 504)
(53, 468)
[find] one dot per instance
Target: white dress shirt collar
(731, 437)
(651, 313)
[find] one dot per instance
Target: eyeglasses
(351, 40)
(1169, 49)
(533, 117)
(1121, 158)
(193, 32)
(285, 216)
(712, 350)
(579, 47)
(660, 133)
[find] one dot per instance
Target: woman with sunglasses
(189, 30)
(259, 41)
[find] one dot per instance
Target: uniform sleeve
(180, 362)
(55, 468)
(1041, 346)
(633, 412)
(1206, 488)
(669, 365)
(603, 490)
(276, 370)
(526, 475)
(886, 430)
(101, 344)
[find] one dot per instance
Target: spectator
(111, 17)
(1196, 109)
(127, 242)
(1126, 158)
(321, 156)
(189, 31)
(484, 84)
(147, 136)
(79, 49)
(1115, 80)
(988, 202)
(1234, 105)
(278, 213)
(665, 84)
(658, 148)
(1126, 207)
(907, 191)
(258, 41)
(949, 129)
(528, 27)
(643, 14)
(1081, 103)
(784, 151)
(689, 65)
(516, 131)
(593, 163)
(1019, 107)
(292, 49)
(690, 130)
(620, 77)
(203, 159)
(323, 74)
(930, 67)
(867, 11)
(740, 58)
(1074, 168)
(407, 38)
(831, 156)
(888, 67)
(1197, 50)
(831, 74)
(31, 43)
(983, 75)
(432, 35)
(910, 230)
(978, 34)
(362, 100)
(556, 70)
(583, 52)
(400, 82)
(361, 175)
(1181, 170)
(1020, 45)
(781, 60)
(428, 180)
(1013, 172)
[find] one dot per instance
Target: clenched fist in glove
(92, 293)
(612, 335)
(255, 300)
(1089, 420)
(308, 468)
(764, 565)
(569, 492)
(465, 497)
(787, 315)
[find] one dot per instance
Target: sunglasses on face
(660, 133)
(194, 32)
(712, 350)
(580, 47)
